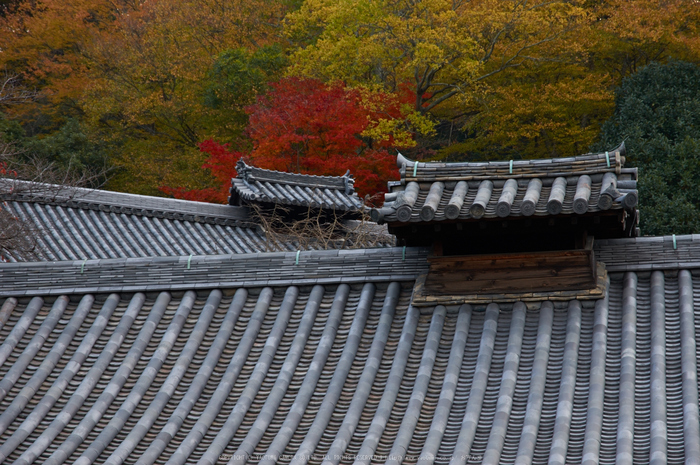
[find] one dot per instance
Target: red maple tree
(306, 126)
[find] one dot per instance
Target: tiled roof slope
(461, 191)
(120, 202)
(649, 253)
(71, 233)
(351, 373)
(257, 185)
(77, 224)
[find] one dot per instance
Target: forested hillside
(168, 94)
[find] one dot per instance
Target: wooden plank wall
(509, 273)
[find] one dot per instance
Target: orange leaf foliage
(305, 126)
(42, 42)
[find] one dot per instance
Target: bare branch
(12, 93)
(28, 178)
(446, 96)
(315, 230)
(508, 63)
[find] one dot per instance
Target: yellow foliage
(401, 126)
(629, 35)
(144, 165)
(443, 48)
(557, 115)
(556, 107)
(41, 42)
(148, 77)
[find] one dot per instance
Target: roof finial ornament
(348, 181)
(401, 160)
(242, 169)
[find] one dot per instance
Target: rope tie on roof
(511, 167)
(82, 266)
(415, 169)
(296, 261)
(189, 261)
(675, 246)
(403, 254)
(607, 158)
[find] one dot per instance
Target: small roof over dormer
(470, 191)
(267, 187)
(594, 188)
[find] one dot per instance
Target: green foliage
(11, 131)
(669, 191)
(238, 75)
(68, 156)
(233, 82)
(657, 113)
(69, 146)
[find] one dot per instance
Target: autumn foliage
(306, 126)
(221, 163)
(151, 87)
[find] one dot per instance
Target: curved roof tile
(469, 191)
(341, 374)
(78, 224)
(257, 185)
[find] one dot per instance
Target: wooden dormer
(508, 225)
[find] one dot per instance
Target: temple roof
(435, 192)
(69, 223)
(592, 163)
(257, 185)
(321, 358)
(327, 357)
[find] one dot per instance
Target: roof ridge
(610, 161)
(248, 172)
(649, 253)
(257, 185)
(121, 202)
(212, 271)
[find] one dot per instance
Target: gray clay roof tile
(586, 181)
(63, 225)
(256, 185)
(341, 373)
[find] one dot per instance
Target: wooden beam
(423, 298)
(507, 273)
